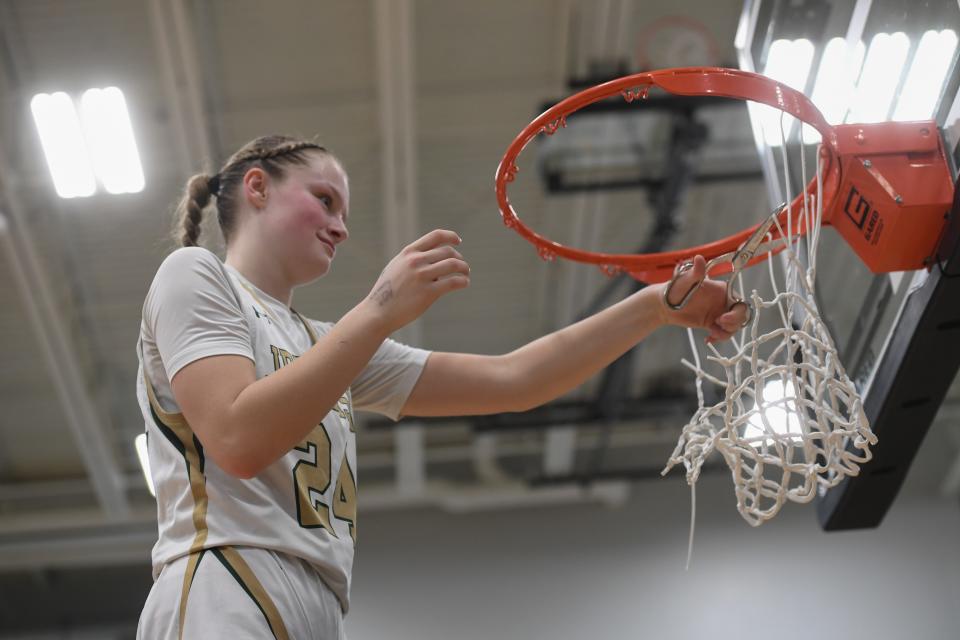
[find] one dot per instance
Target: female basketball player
(249, 405)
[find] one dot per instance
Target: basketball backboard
(889, 60)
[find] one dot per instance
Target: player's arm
(246, 423)
(547, 368)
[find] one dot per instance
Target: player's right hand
(708, 308)
(423, 271)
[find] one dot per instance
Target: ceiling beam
(182, 79)
(393, 32)
(59, 355)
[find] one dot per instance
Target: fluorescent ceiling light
(836, 79)
(881, 76)
(140, 443)
(62, 140)
(97, 145)
(780, 414)
(109, 135)
(927, 73)
(788, 62)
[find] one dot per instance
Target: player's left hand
(708, 308)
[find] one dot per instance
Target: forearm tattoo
(383, 293)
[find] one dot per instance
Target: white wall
(585, 571)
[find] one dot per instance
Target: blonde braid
(190, 210)
(276, 152)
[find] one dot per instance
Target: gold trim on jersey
(240, 570)
(189, 574)
(306, 325)
(176, 429)
(186, 442)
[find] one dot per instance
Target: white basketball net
(788, 420)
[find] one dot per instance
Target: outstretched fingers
(440, 263)
(436, 255)
(423, 271)
(434, 239)
(450, 283)
(445, 268)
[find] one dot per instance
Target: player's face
(310, 206)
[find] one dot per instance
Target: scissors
(738, 259)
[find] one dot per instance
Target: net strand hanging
(810, 431)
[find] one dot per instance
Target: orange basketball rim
(887, 187)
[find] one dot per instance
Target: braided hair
(272, 153)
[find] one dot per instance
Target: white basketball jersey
(305, 503)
